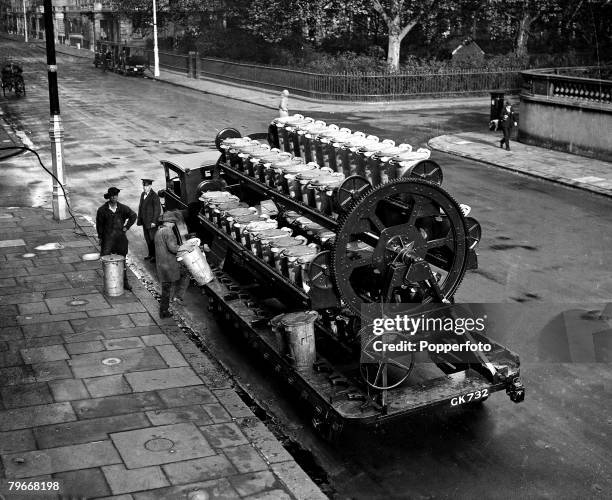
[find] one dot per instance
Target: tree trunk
(393, 52)
(522, 36)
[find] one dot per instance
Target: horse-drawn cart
(12, 79)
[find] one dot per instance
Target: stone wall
(567, 114)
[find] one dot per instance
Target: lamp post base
(59, 201)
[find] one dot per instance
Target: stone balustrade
(567, 112)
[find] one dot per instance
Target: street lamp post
(155, 49)
(97, 6)
(56, 131)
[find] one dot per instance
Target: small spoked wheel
(381, 371)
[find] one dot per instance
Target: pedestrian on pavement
(149, 210)
(113, 220)
(507, 122)
(168, 269)
(283, 107)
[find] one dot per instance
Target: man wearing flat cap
(113, 220)
(168, 269)
(149, 210)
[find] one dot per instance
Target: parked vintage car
(133, 65)
(121, 58)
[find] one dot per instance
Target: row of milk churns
(304, 181)
(258, 232)
(344, 151)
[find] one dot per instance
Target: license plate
(470, 397)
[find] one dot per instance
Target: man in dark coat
(168, 269)
(507, 121)
(149, 210)
(113, 220)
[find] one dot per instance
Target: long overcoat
(149, 209)
(166, 246)
(110, 226)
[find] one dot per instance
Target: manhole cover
(28, 255)
(90, 256)
(159, 444)
(111, 361)
(77, 302)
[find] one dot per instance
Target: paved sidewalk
(572, 170)
(101, 395)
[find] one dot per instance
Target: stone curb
(438, 144)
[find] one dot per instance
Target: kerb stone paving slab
(42, 354)
(110, 385)
(193, 413)
(114, 362)
(200, 469)
(92, 301)
(103, 323)
(34, 416)
(21, 440)
(15, 396)
(217, 489)
(182, 396)
(223, 435)
(122, 480)
(245, 458)
(87, 483)
(255, 482)
(117, 405)
(298, 481)
(64, 458)
(162, 379)
(161, 445)
(68, 389)
(85, 431)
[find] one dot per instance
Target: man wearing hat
(168, 269)
(507, 121)
(113, 220)
(149, 210)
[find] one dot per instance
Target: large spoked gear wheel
(403, 242)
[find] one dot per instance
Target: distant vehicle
(134, 65)
(121, 58)
(12, 79)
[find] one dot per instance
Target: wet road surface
(544, 246)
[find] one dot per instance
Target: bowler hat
(112, 191)
(147, 182)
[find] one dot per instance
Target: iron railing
(353, 86)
